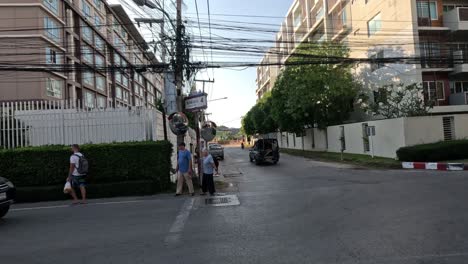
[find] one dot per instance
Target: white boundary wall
(391, 134)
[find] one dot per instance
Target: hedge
(106, 190)
(109, 164)
(440, 151)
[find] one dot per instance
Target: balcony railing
(341, 21)
(457, 19)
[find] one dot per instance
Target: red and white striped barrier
(434, 166)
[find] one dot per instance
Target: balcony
(459, 98)
(341, 22)
(333, 4)
(457, 19)
(460, 62)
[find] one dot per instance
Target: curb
(434, 166)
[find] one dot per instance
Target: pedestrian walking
(208, 169)
(216, 162)
(77, 174)
(184, 170)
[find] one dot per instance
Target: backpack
(83, 165)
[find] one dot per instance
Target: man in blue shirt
(184, 170)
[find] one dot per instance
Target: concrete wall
(391, 134)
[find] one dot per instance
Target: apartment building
(266, 75)
(72, 45)
(430, 38)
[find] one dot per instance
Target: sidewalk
(352, 159)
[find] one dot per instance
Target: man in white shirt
(74, 177)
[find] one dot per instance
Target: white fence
(41, 123)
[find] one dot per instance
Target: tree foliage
(395, 101)
(307, 93)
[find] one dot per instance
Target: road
(299, 211)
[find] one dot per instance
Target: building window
(124, 81)
(125, 96)
(118, 77)
(374, 25)
(98, 4)
(100, 83)
(459, 87)
(434, 90)
(118, 93)
(297, 17)
(101, 102)
(88, 78)
(98, 21)
(430, 54)
(100, 45)
(89, 99)
(52, 56)
(86, 8)
(427, 9)
(87, 54)
(52, 28)
(52, 5)
(320, 13)
(117, 60)
(376, 61)
(99, 61)
(87, 32)
(54, 88)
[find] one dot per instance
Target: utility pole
(179, 61)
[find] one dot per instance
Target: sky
(236, 84)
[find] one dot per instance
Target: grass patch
(354, 159)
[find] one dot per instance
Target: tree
(393, 101)
(315, 89)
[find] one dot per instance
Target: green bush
(109, 163)
(440, 151)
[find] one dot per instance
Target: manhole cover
(226, 200)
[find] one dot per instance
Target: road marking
(67, 205)
(178, 226)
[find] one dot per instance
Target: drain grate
(222, 200)
(225, 200)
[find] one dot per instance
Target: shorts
(78, 181)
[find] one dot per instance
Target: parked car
(265, 150)
(7, 195)
(216, 150)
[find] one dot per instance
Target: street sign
(370, 131)
(196, 102)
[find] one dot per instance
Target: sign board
(196, 102)
(170, 102)
(370, 131)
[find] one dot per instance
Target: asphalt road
(298, 211)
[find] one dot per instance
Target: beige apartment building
(429, 36)
(71, 45)
(266, 75)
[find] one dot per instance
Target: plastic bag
(67, 187)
